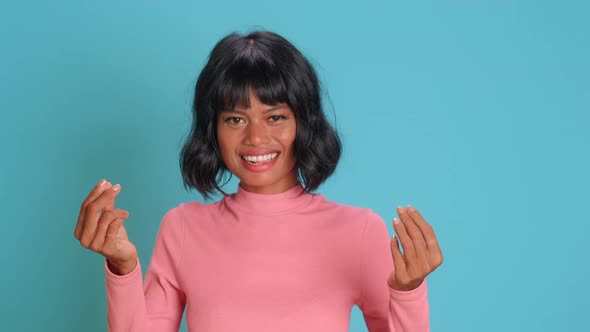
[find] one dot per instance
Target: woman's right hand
(100, 228)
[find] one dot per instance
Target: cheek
(287, 136)
(224, 144)
(287, 140)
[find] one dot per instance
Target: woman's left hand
(421, 254)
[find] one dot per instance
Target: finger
(94, 193)
(92, 199)
(122, 234)
(427, 231)
(94, 244)
(111, 203)
(102, 226)
(83, 209)
(414, 233)
(110, 240)
(92, 214)
(434, 256)
(404, 238)
(398, 258)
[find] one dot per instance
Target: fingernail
(400, 209)
(101, 183)
(116, 187)
(411, 208)
(395, 221)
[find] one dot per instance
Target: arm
(384, 308)
(157, 303)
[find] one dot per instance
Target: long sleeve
(157, 303)
(386, 309)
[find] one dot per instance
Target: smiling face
(256, 145)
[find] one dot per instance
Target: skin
(100, 228)
(267, 128)
(260, 127)
(421, 253)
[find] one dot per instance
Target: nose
(257, 134)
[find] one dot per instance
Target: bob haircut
(278, 73)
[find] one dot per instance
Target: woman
(273, 256)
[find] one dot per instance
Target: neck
(284, 202)
(278, 187)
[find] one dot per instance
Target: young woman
(273, 256)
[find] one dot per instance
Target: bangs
(250, 70)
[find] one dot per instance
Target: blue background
(475, 112)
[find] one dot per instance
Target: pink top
(251, 262)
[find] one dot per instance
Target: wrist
(404, 288)
(121, 268)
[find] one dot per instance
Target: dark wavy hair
(278, 73)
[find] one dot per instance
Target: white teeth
(257, 159)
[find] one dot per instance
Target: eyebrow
(264, 112)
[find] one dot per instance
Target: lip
(262, 167)
(258, 152)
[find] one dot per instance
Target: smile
(262, 159)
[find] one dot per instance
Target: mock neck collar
(269, 204)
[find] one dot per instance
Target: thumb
(113, 230)
(122, 232)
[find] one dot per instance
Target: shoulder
(361, 215)
(175, 217)
(365, 225)
(192, 211)
(195, 208)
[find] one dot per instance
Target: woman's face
(256, 145)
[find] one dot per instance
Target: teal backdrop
(475, 112)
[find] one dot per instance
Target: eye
(275, 118)
(233, 120)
